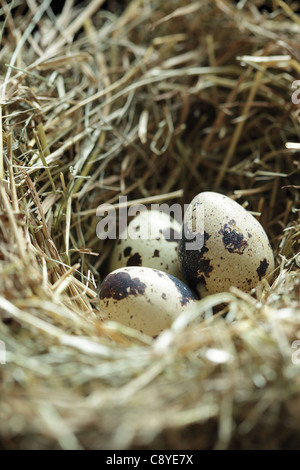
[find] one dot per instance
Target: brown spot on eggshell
(202, 280)
(194, 264)
(120, 285)
(134, 260)
(127, 251)
(156, 254)
(233, 240)
(262, 268)
(159, 273)
(184, 291)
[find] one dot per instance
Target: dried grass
(156, 101)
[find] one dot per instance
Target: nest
(155, 101)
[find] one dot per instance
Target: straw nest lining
(156, 101)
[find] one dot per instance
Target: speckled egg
(234, 248)
(143, 298)
(151, 240)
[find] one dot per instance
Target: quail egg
(144, 298)
(151, 240)
(232, 247)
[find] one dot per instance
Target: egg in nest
(234, 248)
(150, 240)
(144, 298)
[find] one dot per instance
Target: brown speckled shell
(144, 298)
(159, 252)
(236, 250)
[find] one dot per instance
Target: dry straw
(155, 101)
